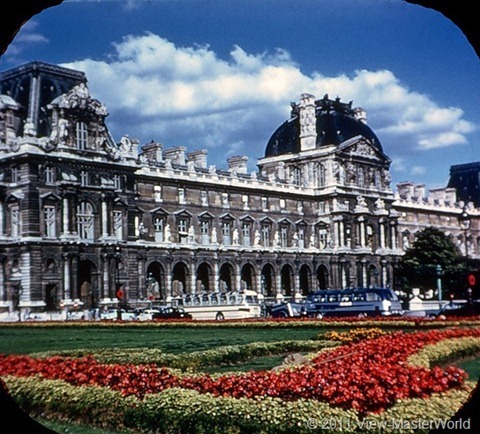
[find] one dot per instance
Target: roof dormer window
(81, 135)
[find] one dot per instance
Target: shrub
(352, 336)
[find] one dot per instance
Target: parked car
(146, 314)
(287, 309)
(117, 314)
(459, 309)
(171, 312)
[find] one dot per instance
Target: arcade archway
(87, 289)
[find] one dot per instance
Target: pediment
(361, 147)
(50, 196)
(206, 216)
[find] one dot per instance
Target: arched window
(81, 135)
(85, 221)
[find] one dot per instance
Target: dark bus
(359, 302)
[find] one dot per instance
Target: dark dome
(334, 125)
(285, 140)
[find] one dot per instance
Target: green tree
(418, 267)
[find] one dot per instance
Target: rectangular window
(245, 201)
(322, 238)
(297, 176)
(118, 224)
(14, 221)
(282, 204)
(246, 231)
(265, 236)
(49, 175)
(284, 236)
(81, 137)
(321, 207)
(182, 231)
(264, 203)
(157, 193)
(204, 198)
(225, 202)
(117, 182)
(83, 178)
(226, 233)
(301, 237)
(159, 227)
(15, 174)
(181, 195)
(205, 232)
(50, 221)
(10, 119)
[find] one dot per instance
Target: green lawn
(71, 428)
(471, 367)
(25, 339)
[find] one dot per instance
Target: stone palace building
(87, 221)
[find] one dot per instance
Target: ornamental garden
(384, 375)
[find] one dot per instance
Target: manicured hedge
(190, 412)
(446, 351)
(327, 323)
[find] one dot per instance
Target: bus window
(372, 296)
(359, 297)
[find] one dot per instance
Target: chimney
(419, 191)
(153, 151)
(175, 155)
(237, 164)
(406, 190)
(308, 122)
(199, 158)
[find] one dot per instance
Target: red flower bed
(368, 376)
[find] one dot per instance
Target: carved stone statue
(214, 235)
(168, 233)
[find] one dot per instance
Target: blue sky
(220, 74)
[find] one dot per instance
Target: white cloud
(188, 95)
(27, 36)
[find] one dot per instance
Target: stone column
(104, 219)
(66, 216)
(193, 275)
(216, 276)
(382, 235)
(2, 220)
(106, 279)
(66, 278)
(393, 230)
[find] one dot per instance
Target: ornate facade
(86, 220)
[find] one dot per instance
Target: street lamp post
(439, 271)
(465, 225)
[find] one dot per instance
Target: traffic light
(120, 293)
(473, 283)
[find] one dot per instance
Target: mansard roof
(465, 178)
(336, 122)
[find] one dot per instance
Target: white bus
(220, 305)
